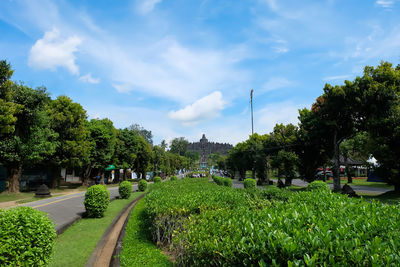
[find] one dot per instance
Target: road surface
(64, 210)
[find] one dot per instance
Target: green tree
(32, 140)
(69, 121)
(125, 149)
(143, 158)
(146, 134)
(179, 146)
(103, 139)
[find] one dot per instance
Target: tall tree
(179, 146)
(125, 149)
(146, 134)
(103, 139)
(32, 140)
(69, 120)
(143, 158)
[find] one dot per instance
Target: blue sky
(184, 68)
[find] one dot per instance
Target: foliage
(137, 250)
(146, 134)
(125, 189)
(96, 201)
(225, 181)
(179, 146)
(174, 178)
(318, 185)
(142, 185)
(249, 183)
(157, 179)
(26, 237)
(207, 225)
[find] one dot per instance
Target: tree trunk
(102, 178)
(336, 173)
(124, 174)
(267, 167)
(86, 175)
(14, 173)
(55, 177)
(397, 189)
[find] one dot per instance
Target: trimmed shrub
(249, 183)
(274, 193)
(125, 189)
(174, 178)
(26, 237)
(318, 185)
(142, 186)
(157, 179)
(96, 201)
(227, 182)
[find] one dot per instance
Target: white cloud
(338, 77)
(205, 108)
(89, 79)
(123, 87)
(53, 51)
(385, 3)
(276, 83)
(147, 6)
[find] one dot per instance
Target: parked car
(320, 175)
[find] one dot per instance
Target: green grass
(137, 249)
(363, 182)
(76, 244)
(387, 198)
(5, 197)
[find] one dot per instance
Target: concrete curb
(92, 260)
(115, 261)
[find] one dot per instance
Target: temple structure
(205, 148)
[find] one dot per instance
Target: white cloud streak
(205, 108)
(53, 51)
(146, 6)
(89, 79)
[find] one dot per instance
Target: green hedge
(142, 186)
(174, 178)
(96, 201)
(318, 185)
(222, 181)
(157, 179)
(249, 183)
(125, 189)
(26, 237)
(210, 225)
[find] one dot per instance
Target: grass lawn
(387, 198)
(363, 182)
(137, 249)
(76, 244)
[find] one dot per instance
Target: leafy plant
(174, 178)
(249, 183)
(142, 186)
(157, 179)
(26, 237)
(96, 201)
(125, 189)
(318, 185)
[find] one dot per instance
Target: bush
(318, 185)
(96, 201)
(142, 186)
(274, 193)
(249, 183)
(125, 189)
(227, 182)
(157, 179)
(174, 178)
(26, 237)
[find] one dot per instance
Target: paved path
(66, 209)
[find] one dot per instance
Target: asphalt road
(66, 209)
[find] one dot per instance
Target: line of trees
(36, 130)
(359, 119)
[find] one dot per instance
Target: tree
(8, 109)
(146, 134)
(69, 121)
(179, 146)
(379, 93)
(32, 140)
(125, 152)
(103, 139)
(143, 158)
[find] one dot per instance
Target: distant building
(205, 148)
